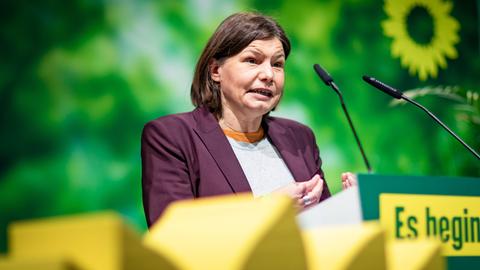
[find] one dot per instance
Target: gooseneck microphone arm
(327, 79)
(399, 95)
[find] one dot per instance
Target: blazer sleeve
(318, 163)
(165, 176)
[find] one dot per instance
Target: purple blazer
(187, 156)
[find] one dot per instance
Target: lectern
(410, 208)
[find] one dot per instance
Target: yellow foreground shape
(418, 254)
(346, 247)
(92, 242)
(230, 232)
(37, 264)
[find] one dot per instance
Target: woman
(229, 143)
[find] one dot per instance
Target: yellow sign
(454, 220)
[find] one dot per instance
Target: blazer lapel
(217, 144)
(284, 140)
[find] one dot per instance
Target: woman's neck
(239, 123)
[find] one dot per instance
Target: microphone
(323, 75)
(399, 95)
(327, 79)
(383, 87)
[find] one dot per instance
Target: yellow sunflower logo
(423, 34)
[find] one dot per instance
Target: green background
(80, 78)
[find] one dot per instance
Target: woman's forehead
(272, 44)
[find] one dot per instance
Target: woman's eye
(278, 64)
(251, 60)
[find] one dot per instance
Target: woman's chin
(261, 105)
(260, 109)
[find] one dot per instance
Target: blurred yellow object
(418, 254)
(345, 247)
(92, 241)
(230, 232)
(7, 263)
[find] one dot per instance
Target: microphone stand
(443, 125)
(329, 81)
(399, 95)
(340, 96)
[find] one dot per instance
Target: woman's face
(251, 81)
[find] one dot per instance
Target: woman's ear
(214, 67)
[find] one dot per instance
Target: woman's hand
(306, 193)
(349, 180)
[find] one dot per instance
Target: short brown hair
(233, 35)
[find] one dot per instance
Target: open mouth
(263, 92)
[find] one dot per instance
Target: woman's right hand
(306, 193)
(349, 180)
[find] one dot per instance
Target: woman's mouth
(263, 92)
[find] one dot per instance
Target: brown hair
(233, 35)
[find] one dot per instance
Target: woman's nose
(266, 72)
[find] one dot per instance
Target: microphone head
(366, 78)
(383, 87)
(326, 78)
